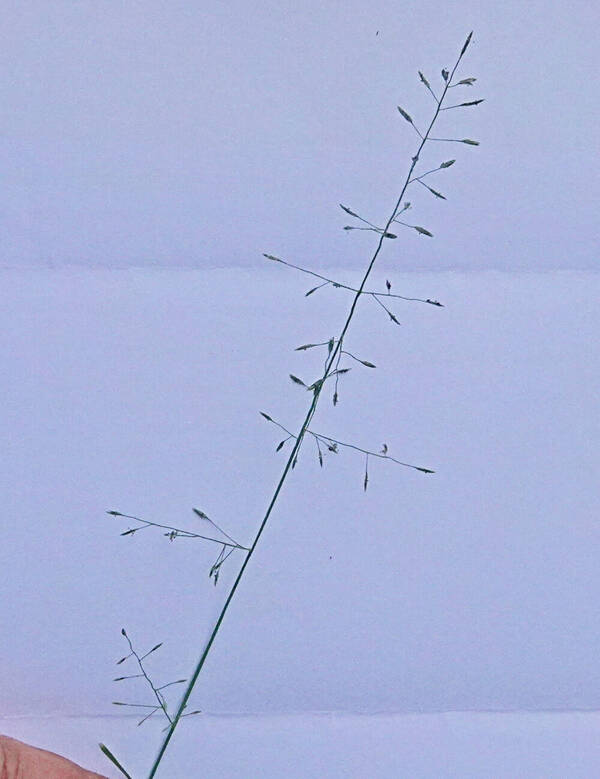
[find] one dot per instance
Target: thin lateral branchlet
(392, 317)
(216, 566)
(337, 443)
(428, 86)
(342, 351)
(339, 285)
(383, 233)
(366, 363)
(418, 228)
(463, 105)
(227, 547)
(468, 141)
(466, 81)
(409, 119)
(441, 166)
(432, 190)
(333, 444)
(175, 532)
(161, 704)
(337, 375)
(356, 216)
(206, 518)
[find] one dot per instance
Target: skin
(21, 761)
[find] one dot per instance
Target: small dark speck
(377, 33)
(330, 557)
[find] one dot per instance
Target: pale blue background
(192, 137)
(140, 390)
(201, 134)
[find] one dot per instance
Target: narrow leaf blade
(106, 751)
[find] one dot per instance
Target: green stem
(332, 357)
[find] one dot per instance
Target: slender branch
(363, 362)
(432, 93)
(178, 681)
(335, 354)
(320, 437)
(457, 140)
(203, 516)
(182, 533)
(326, 438)
(465, 81)
(157, 695)
(337, 375)
(388, 312)
(422, 176)
(372, 230)
(433, 191)
(463, 105)
(428, 86)
(356, 216)
(285, 430)
(320, 453)
(345, 286)
(151, 714)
